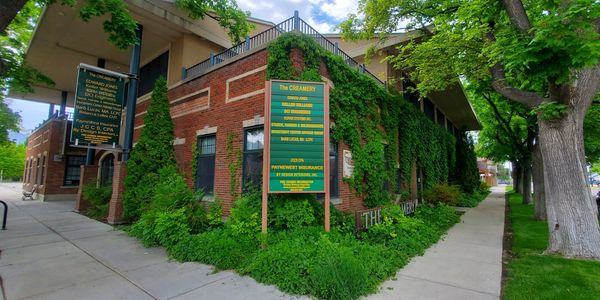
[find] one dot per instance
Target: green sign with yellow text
(98, 106)
(297, 137)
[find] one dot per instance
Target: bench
(29, 195)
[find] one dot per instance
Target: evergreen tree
(153, 151)
(466, 173)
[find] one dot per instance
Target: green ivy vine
(234, 157)
(195, 154)
(377, 125)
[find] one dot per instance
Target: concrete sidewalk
(466, 264)
(50, 252)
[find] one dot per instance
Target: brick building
(216, 93)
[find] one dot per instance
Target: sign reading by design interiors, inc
(98, 106)
(296, 141)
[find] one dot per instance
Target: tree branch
(499, 84)
(504, 124)
(518, 16)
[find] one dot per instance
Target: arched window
(106, 169)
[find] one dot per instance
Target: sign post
(98, 106)
(296, 141)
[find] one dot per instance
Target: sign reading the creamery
(98, 106)
(297, 137)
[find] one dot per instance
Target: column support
(134, 70)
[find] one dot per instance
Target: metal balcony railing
(294, 23)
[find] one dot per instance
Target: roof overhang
(454, 103)
(62, 41)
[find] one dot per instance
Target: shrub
(472, 199)
(285, 263)
(337, 274)
(442, 193)
(218, 247)
(292, 214)
(171, 227)
(143, 229)
(442, 217)
(244, 218)
(484, 188)
(215, 214)
(99, 198)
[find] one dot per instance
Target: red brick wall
(228, 116)
(48, 140)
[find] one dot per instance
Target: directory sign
(297, 137)
(98, 106)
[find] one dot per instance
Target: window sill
(69, 186)
(208, 198)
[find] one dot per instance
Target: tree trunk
(517, 177)
(8, 11)
(572, 223)
(539, 201)
(526, 182)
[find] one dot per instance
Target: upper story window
(151, 71)
(429, 109)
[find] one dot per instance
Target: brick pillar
(88, 174)
(115, 208)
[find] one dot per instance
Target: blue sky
(323, 15)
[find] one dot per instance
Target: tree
(12, 160)
(542, 54)
(591, 134)
(153, 151)
(466, 172)
(508, 133)
(12, 50)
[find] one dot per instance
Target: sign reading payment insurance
(297, 128)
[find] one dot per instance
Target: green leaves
(550, 110)
(225, 11)
(153, 151)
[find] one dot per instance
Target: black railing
(55, 116)
(251, 43)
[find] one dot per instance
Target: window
(73, 170)
(26, 171)
(334, 184)
(253, 157)
(151, 71)
(43, 169)
(205, 168)
(106, 169)
(39, 171)
(410, 94)
(428, 109)
(30, 170)
(440, 117)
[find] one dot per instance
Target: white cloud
(321, 14)
(322, 27)
(339, 9)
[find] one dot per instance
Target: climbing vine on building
(234, 157)
(376, 125)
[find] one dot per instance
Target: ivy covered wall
(381, 129)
